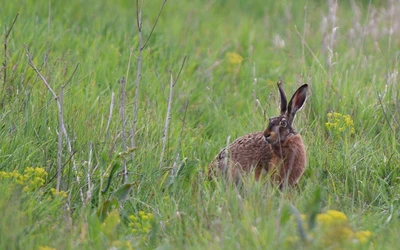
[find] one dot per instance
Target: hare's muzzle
(268, 135)
(269, 139)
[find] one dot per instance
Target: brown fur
(245, 153)
(290, 158)
(252, 153)
(278, 151)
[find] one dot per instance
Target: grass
(352, 71)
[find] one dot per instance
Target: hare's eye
(283, 123)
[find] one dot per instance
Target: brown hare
(279, 150)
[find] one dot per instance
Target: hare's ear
(297, 102)
(283, 98)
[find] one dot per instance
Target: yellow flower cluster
(339, 123)
(333, 229)
(363, 236)
(31, 179)
(141, 223)
(332, 217)
(45, 248)
(121, 245)
(61, 194)
(234, 58)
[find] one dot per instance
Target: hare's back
(248, 151)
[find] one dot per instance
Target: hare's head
(280, 127)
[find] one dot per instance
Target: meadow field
(111, 112)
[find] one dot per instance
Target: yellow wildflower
(39, 172)
(324, 219)
(133, 217)
(363, 236)
(141, 223)
(3, 175)
(348, 120)
(328, 125)
(45, 248)
(56, 193)
(343, 233)
(337, 215)
(339, 123)
(337, 115)
(333, 230)
(122, 245)
(234, 58)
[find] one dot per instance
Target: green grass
(355, 173)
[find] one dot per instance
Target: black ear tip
(303, 87)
